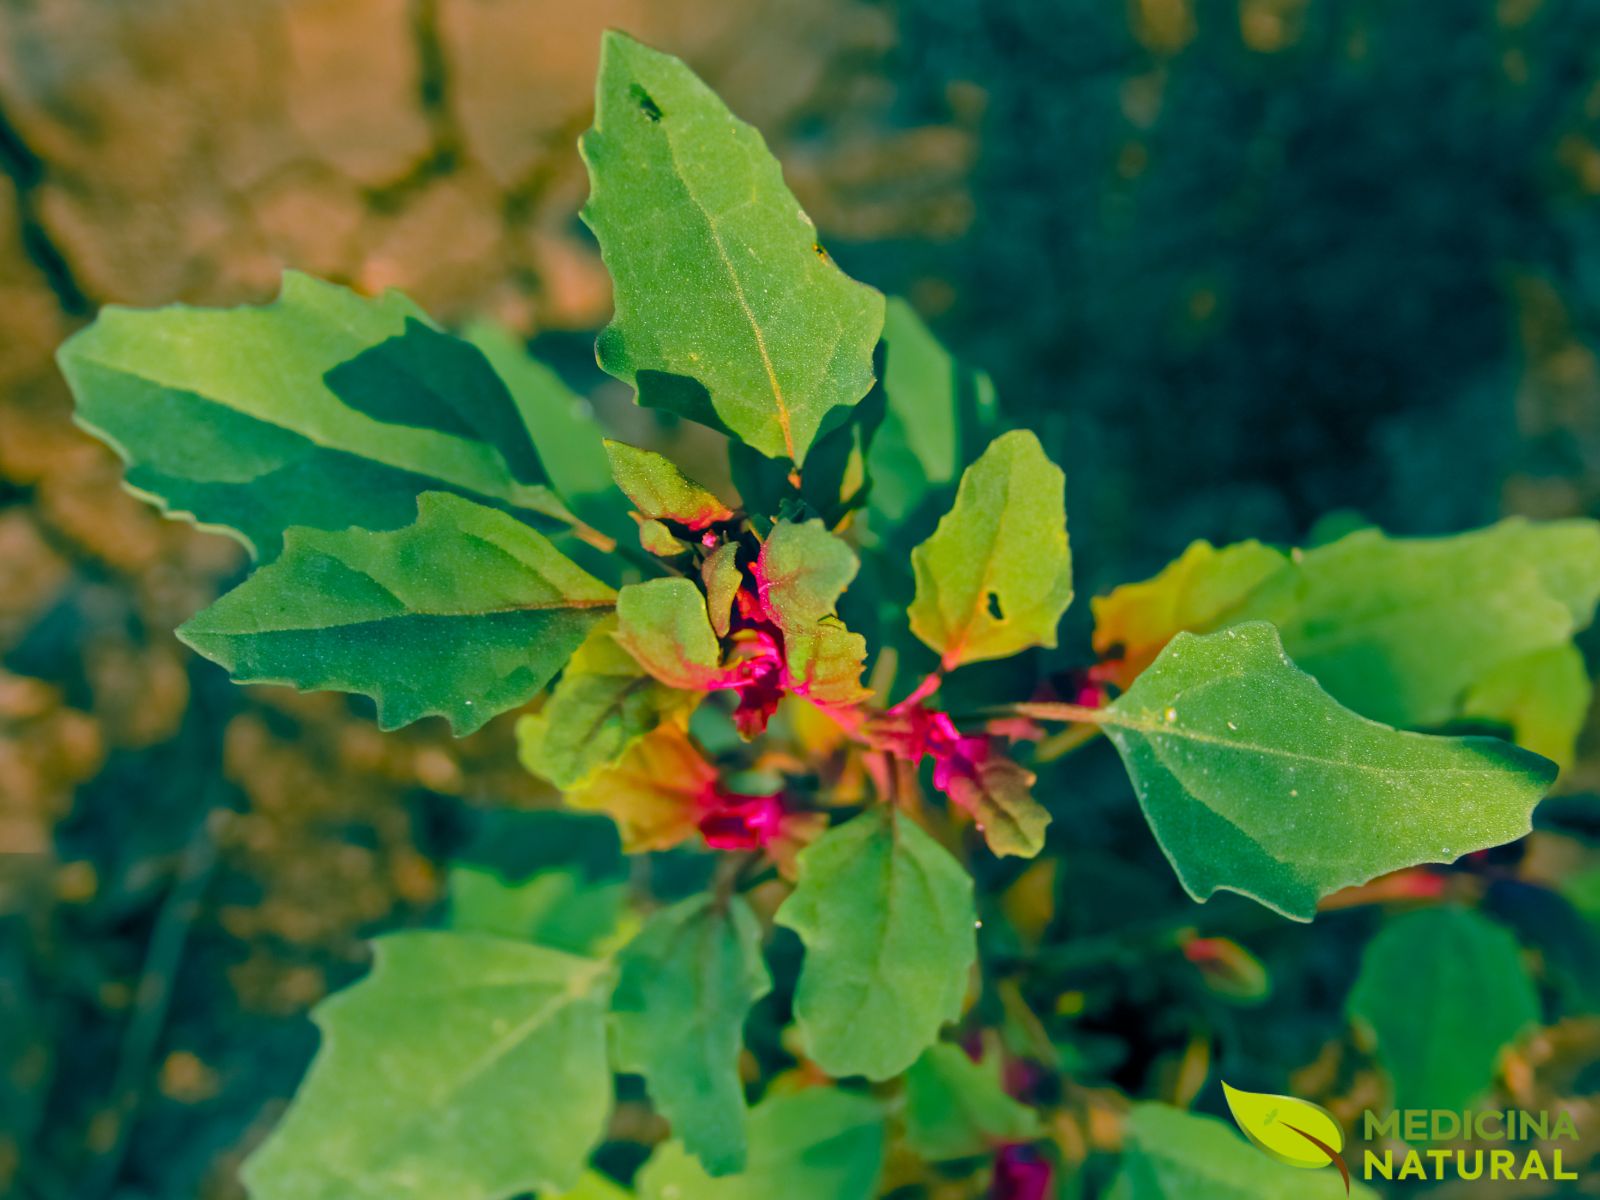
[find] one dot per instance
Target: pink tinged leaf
(997, 792)
(663, 624)
(723, 580)
(800, 574)
(1021, 1174)
(662, 492)
(973, 773)
(742, 822)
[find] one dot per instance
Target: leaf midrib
(779, 400)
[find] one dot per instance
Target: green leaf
(663, 623)
(1254, 779)
(1000, 797)
(569, 438)
(321, 409)
(934, 408)
(1414, 632)
(1544, 699)
(560, 907)
(727, 312)
(688, 981)
(801, 573)
(1169, 1154)
(996, 575)
(723, 578)
(956, 1108)
(1401, 629)
(659, 490)
(604, 703)
(465, 1066)
(821, 1144)
(464, 614)
(594, 1186)
(1286, 1128)
(1444, 991)
(887, 918)
(657, 538)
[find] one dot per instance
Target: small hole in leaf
(994, 607)
(646, 103)
(821, 253)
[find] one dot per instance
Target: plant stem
(1077, 714)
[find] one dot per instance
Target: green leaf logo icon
(1292, 1131)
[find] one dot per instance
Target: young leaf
(321, 409)
(1254, 779)
(663, 623)
(559, 907)
(1445, 991)
(688, 981)
(604, 703)
(887, 918)
(956, 1108)
(721, 574)
(465, 1065)
(996, 575)
(657, 538)
(659, 490)
(801, 572)
(654, 793)
(727, 311)
(1169, 1154)
(464, 614)
(999, 795)
(820, 1144)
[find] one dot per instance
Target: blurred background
(1243, 264)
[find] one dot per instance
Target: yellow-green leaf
(663, 623)
(660, 490)
(996, 575)
(1202, 590)
(654, 792)
(1543, 697)
(604, 703)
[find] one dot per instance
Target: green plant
(781, 701)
